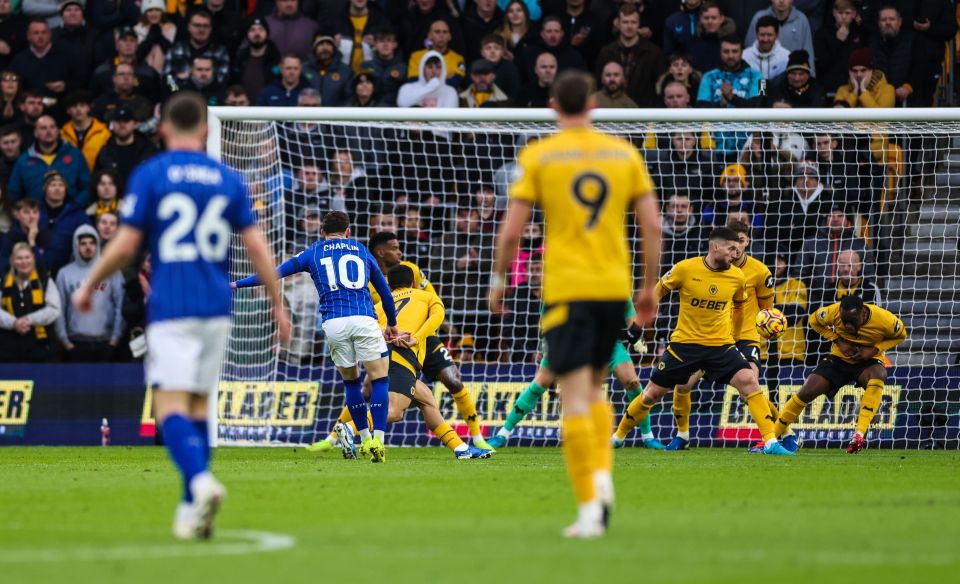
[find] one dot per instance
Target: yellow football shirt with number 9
(585, 182)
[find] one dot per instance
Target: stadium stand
(125, 63)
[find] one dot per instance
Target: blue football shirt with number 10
(341, 269)
(187, 206)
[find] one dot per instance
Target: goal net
(843, 204)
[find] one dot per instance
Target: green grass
(81, 515)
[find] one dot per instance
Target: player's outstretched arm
(287, 268)
(117, 254)
(508, 242)
(266, 271)
(647, 215)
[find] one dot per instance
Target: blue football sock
(380, 403)
(186, 448)
(356, 404)
(203, 429)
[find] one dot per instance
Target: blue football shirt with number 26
(187, 206)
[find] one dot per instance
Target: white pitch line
(251, 542)
(829, 557)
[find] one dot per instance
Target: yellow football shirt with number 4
(759, 295)
(585, 182)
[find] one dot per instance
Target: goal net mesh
(836, 208)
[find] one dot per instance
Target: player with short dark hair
(400, 276)
(385, 248)
(571, 90)
(419, 313)
(185, 110)
(712, 294)
(342, 269)
(860, 334)
(335, 222)
(185, 206)
(586, 183)
(759, 292)
(437, 365)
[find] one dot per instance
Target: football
(771, 323)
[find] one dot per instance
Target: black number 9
(587, 184)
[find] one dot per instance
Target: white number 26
(211, 233)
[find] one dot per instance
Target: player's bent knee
(876, 372)
(544, 378)
(377, 368)
(746, 382)
(813, 387)
(423, 396)
(171, 402)
(450, 378)
(398, 407)
(653, 392)
(349, 373)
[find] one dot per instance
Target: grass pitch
(95, 515)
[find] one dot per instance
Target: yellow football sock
(468, 411)
(637, 411)
(602, 415)
(789, 415)
(869, 405)
(757, 404)
(447, 436)
(774, 412)
(578, 451)
(681, 410)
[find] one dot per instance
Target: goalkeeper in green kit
(621, 367)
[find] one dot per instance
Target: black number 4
(588, 184)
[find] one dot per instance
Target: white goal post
(840, 201)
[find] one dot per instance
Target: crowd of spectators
(81, 83)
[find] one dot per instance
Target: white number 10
(343, 272)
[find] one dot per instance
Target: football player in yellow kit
(860, 334)
(759, 290)
(712, 293)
